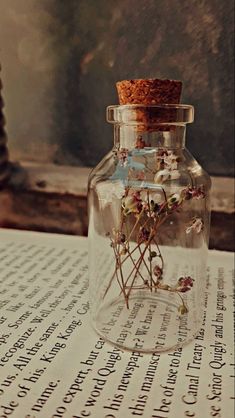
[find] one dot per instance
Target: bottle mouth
(138, 114)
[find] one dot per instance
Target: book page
(53, 365)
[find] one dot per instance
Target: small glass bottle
(149, 221)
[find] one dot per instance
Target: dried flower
(120, 238)
(148, 208)
(193, 192)
(195, 225)
(123, 250)
(157, 271)
(155, 207)
(182, 309)
(150, 202)
(152, 255)
(166, 174)
(166, 159)
(132, 203)
(148, 196)
(174, 201)
(184, 284)
(143, 235)
(171, 160)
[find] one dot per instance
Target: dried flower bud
(184, 284)
(120, 238)
(132, 203)
(157, 271)
(174, 200)
(193, 192)
(182, 309)
(143, 235)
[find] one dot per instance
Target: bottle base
(149, 324)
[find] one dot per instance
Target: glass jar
(149, 222)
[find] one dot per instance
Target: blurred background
(60, 61)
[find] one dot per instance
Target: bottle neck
(163, 136)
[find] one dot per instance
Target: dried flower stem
(122, 279)
(135, 225)
(140, 261)
(147, 217)
(135, 265)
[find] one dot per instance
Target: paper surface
(52, 364)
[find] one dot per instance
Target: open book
(53, 365)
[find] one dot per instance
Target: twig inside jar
(146, 216)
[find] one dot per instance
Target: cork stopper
(149, 91)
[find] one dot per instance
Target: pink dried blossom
(185, 284)
(193, 192)
(167, 167)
